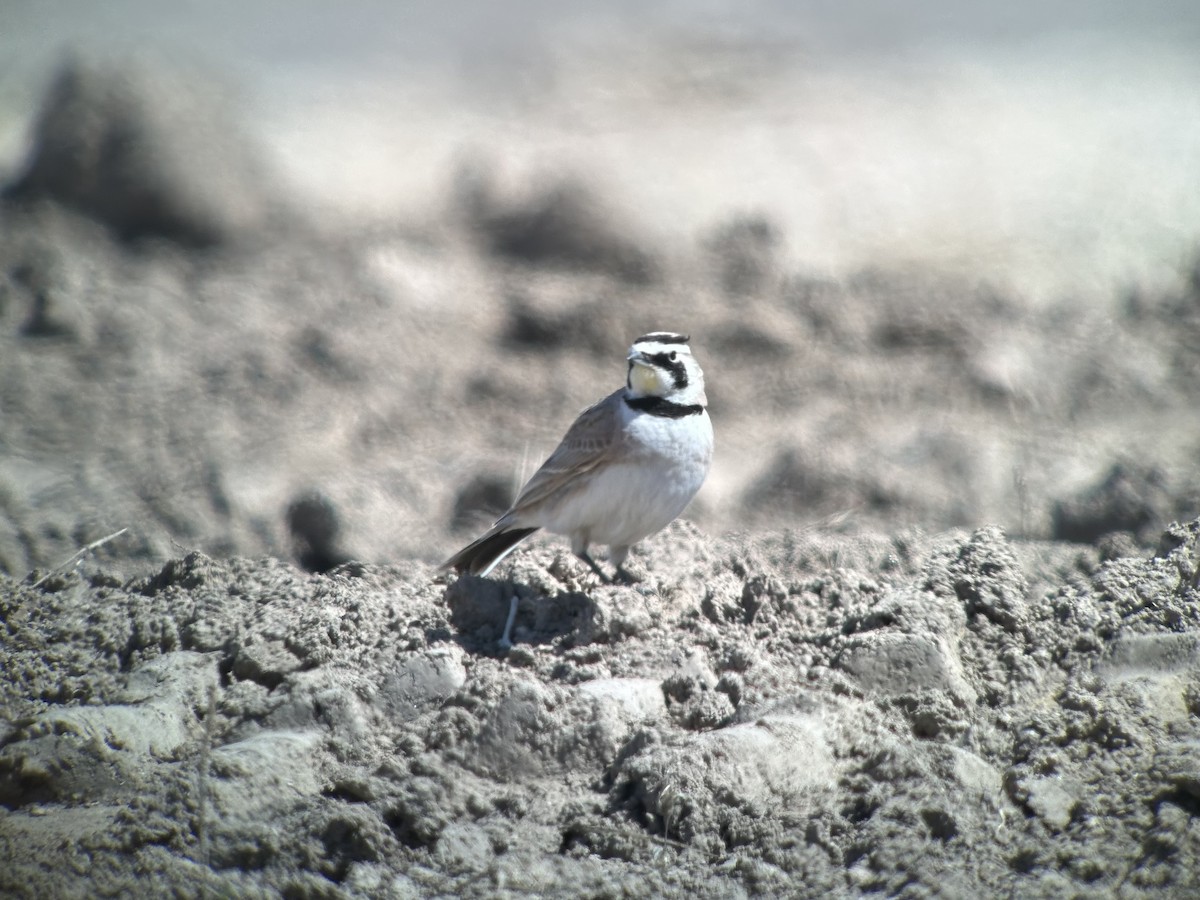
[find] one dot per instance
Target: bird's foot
(594, 566)
(620, 575)
(625, 577)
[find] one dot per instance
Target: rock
(891, 663)
(1052, 799)
(80, 752)
(423, 680)
(693, 788)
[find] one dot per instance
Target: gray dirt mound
(846, 700)
(1130, 498)
(148, 150)
(800, 714)
(561, 223)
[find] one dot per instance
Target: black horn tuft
(664, 337)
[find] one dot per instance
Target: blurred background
(325, 282)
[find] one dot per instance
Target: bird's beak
(638, 358)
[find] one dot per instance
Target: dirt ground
(930, 629)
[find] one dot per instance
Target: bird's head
(661, 365)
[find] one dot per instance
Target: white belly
(666, 463)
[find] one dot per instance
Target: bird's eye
(672, 356)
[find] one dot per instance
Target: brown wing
(586, 444)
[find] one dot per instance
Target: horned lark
(625, 469)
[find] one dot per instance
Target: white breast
(660, 467)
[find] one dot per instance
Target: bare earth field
(932, 628)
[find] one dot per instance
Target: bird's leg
(586, 557)
(617, 555)
(624, 576)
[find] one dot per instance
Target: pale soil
(928, 629)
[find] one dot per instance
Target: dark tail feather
(478, 557)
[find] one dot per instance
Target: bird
(625, 469)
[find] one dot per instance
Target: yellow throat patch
(646, 380)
